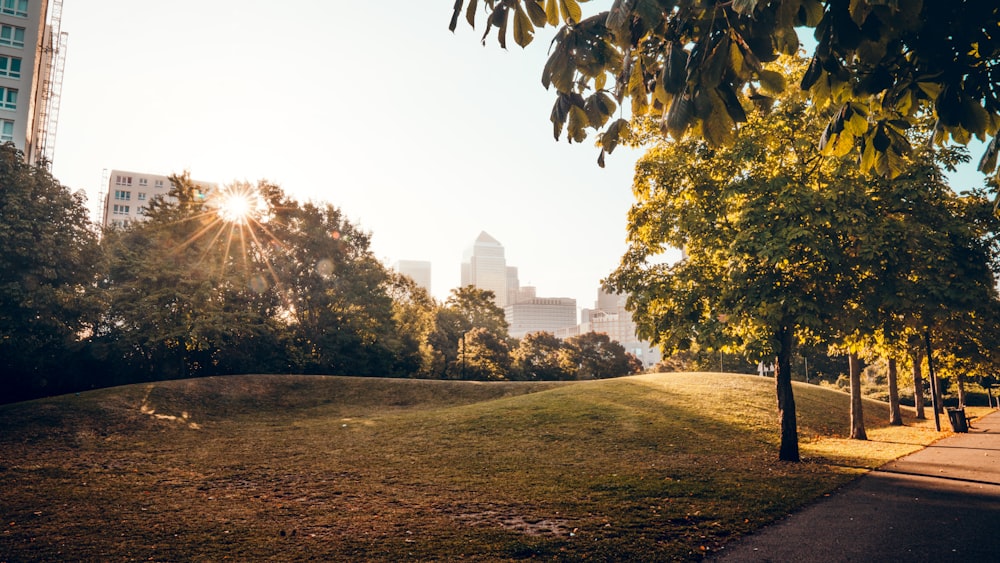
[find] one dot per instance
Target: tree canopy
(48, 252)
(699, 66)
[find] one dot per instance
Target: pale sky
(422, 137)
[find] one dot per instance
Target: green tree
(537, 358)
(467, 308)
(483, 355)
(48, 250)
(180, 297)
(879, 66)
(765, 224)
(413, 316)
(594, 355)
(336, 293)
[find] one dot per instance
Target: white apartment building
(32, 56)
(128, 194)
(484, 266)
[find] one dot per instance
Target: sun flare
(238, 206)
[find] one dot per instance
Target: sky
(424, 138)
(421, 136)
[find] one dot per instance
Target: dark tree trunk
(918, 384)
(789, 450)
(895, 417)
(857, 411)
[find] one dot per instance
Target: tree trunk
(918, 384)
(789, 450)
(961, 390)
(895, 417)
(857, 411)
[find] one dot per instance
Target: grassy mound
(657, 467)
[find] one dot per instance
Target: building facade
(610, 317)
(32, 56)
(540, 314)
(128, 194)
(418, 270)
(485, 267)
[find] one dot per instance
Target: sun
(238, 205)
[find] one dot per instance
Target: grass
(654, 468)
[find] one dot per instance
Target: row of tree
(273, 286)
(784, 245)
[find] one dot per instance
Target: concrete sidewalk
(941, 503)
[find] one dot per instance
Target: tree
(484, 356)
(467, 308)
(766, 225)
(48, 250)
(337, 294)
(593, 355)
(697, 66)
(183, 295)
(413, 316)
(537, 357)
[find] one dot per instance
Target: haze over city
(423, 137)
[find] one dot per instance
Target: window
(159, 184)
(10, 66)
(12, 36)
(8, 98)
(123, 180)
(123, 195)
(143, 182)
(15, 8)
(6, 130)
(120, 209)
(141, 196)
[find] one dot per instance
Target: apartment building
(32, 56)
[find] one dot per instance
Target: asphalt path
(939, 504)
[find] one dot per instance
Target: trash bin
(956, 416)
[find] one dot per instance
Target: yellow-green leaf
(771, 82)
(577, 122)
(600, 81)
(570, 10)
(552, 11)
(524, 32)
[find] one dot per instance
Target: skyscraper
(32, 55)
(485, 267)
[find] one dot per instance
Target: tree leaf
(536, 11)
(679, 116)
(988, 162)
(455, 14)
(570, 11)
(619, 17)
(470, 12)
(771, 82)
(674, 73)
(524, 32)
(552, 11)
(575, 128)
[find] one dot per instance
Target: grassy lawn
(652, 468)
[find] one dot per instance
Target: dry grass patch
(651, 468)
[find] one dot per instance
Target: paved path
(941, 503)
